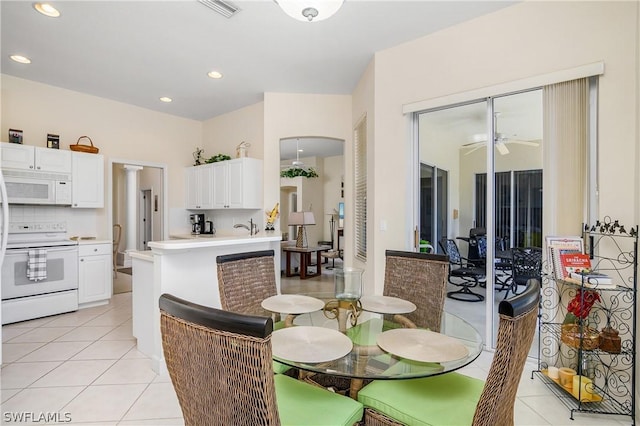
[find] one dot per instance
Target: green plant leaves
(295, 172)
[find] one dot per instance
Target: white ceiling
(310, 147)
(137, 51)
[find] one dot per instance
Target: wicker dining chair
(245, 280)
(220, 366)
(420, 278)
(456, 399)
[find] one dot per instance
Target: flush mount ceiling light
(215, 74)
(21, 59)
(166, 99)
(46, 9)
(310, 10)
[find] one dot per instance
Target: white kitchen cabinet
(237, 184)
(87, 185)
(94, 273)
(199, 187)
(27, 157)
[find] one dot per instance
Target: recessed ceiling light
(21, 59)
(166, 99)
(46, 9)
(214, 74)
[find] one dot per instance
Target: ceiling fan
(296, 164)
(501, 141)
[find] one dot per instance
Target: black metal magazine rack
(601, 346)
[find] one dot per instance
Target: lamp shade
(301, 218)
(310, 10)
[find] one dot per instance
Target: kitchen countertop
(82, 242)
(188, 241)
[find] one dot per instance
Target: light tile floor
(85, 365)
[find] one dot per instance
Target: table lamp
(301, 219)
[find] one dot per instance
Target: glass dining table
(358, 353)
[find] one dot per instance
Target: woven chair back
(420, 278)
(515, 333)
(219, 363)
(245, 280)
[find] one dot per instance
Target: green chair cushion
(361, 333)
(280, 368)
(300, 403)
(448, 399)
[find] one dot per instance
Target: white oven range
(27, 295)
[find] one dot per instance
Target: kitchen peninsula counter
(186, 268)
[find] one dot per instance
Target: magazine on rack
(557, 246)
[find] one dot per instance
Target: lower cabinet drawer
(94, 249)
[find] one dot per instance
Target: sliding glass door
(492, 195)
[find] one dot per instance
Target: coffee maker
(197, 223)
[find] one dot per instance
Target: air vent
(225, 9)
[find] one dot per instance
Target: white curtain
(565, 135)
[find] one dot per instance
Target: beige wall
(120, 130)
(222, 134)
(303, 115)
(533, 38)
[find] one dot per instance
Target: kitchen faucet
(253, 228)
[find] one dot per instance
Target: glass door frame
(490, 308)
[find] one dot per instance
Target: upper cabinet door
(235, 176)
(220, 185)
(16, 156)
(87, 180)
(52, 160)
(192, 187)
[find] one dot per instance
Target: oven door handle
(25, 251)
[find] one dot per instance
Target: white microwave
(26, 187)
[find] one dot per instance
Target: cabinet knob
(31, 167)
(38, 167)
(95, 249)
(81, 260)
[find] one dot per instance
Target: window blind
(360, 169)
(566, 132)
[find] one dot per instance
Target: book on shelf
(572, 261)
(593, 278)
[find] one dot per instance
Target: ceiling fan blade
(502, 148)
(474, 148)
(521, 142)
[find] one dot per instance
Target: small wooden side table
(305, 260)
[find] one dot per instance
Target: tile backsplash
(81, 222)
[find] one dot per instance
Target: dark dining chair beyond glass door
(456, 399)
(220, 364)
(526, 264)
(462, 273)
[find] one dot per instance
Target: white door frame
(165, 191)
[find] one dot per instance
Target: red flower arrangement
(580, 306)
